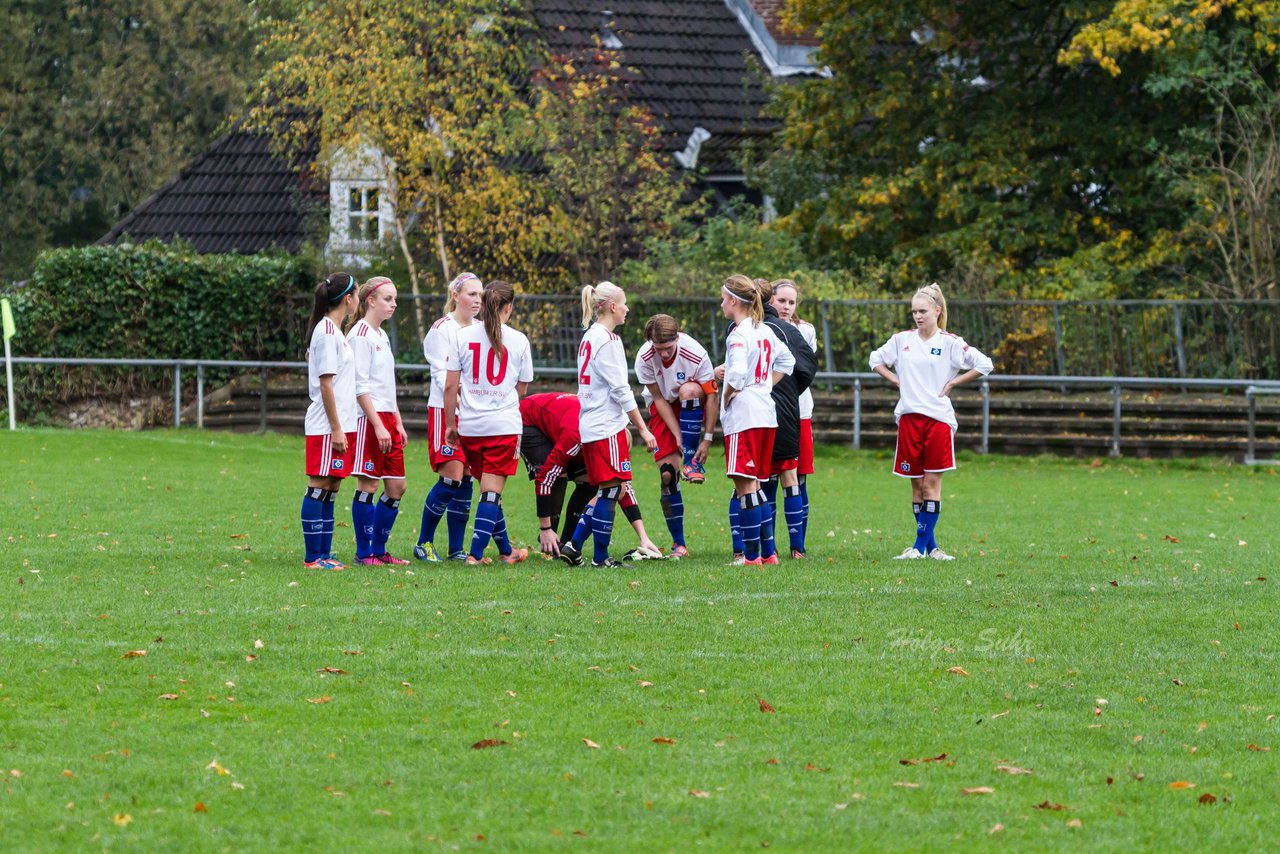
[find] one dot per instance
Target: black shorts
(536, 446)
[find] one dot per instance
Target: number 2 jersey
(690, 364)
(752, 354)
(488, 400)
(925, 367)
(604, 390)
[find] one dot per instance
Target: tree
(434, 87)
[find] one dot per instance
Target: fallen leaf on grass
(1046, 805)
(200, 807)
(1075, 823)
(644, 684)
(168, 696)
(941, 757)
(809, 766)
(978, 790)
(772, 762)
(1170, 539)
(335, 670)
(958, 670)
(999, 714)
(489, 742)
(258, 644)
(907, 785)
(589, 743)
(662, 739)
(1014, 770)
(319, 701)
(352, 652)
(214, 766)
(251, 658)
(698, 793)
(122, 819)
(1257, 749)
(765, 706)
(134, 653)
(1181, 784)
(995, 828)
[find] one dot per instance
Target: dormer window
(360, 214)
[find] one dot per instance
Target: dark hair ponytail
(329, 293)
(496, 296)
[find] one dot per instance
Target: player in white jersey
(786, 299)
(489, 370)
(380, 433)
(451, 494)
(754, 359)
(676, 374)
(330, 424)
(930, 363)
(607, 404)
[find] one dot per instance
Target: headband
(730, 293)
(375, 287)
(351, 283)
(462, 280)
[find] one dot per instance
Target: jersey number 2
(584, 359)
(494, 371)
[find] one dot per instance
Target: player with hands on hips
(930, 362)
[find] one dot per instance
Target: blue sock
(770, 489)
(793, 506)
(602, 526)
(500, 538)
(749, 519)
(929, 512)
(434, 507)
(459, 513)
(362, 519)
(767, 546)
(804, 495)
(326, 534)
(915, 511)
(313, 523)
(690, 427)
(487, 514)
(583, 530)
(383, 521)
(735, 523)
(673, 512)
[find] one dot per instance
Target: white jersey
(375, 366)
(752, 354)
(441, 338)
(603, 387)
(488, 401)
(810, 336)
(330, 355)
(925, 367)
(690, 364)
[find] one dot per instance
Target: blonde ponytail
(455, 287)
(594, 296)
(747, 293)
(934, 293)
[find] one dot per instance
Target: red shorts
(440, 452)
(608, 459)
(370, 460)
(747, 454)
(924, 445)
(779, 466)
(806, 446)
(491, 454)
(667, 444)
(321, 461)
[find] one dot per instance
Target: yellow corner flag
(6, 315)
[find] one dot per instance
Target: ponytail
(934, 293)
(594, 296)
(496, 296)
(451, 302)
(328, 294)
(744, 290)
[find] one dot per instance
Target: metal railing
(855, 381)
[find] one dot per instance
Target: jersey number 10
(495, 370)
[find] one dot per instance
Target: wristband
(548, 528)
(709, 437)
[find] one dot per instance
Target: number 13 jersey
(488, 401)
(752, 354)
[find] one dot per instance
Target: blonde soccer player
(930, 362)
(680, 393)
(607, 405)
(755, 358)
(330, 423)
(380, 433)
(489, 370)
(450, 495)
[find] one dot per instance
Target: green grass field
(1110, 627)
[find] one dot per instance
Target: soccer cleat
(939, 554)
(427, 552)
(332, 563)
(771, 560)
(607, 563)
(796, 554)
(910, 554)
(459, 556)
(390, 560)
(739, 559)
(679, 552)
(755, 562)
(314, 564)
(516, 556)
(371, 560)
(693, 472)
(571, 554)
(484, 561)
(644, 553)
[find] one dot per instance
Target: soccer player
(330, 424)
(787, 446)
(451, 494)
(930, 363)
(380, 433)
(488, 371)
(755, 359)
(608, 403)
(552, 453)
(677, 376)
(786, 299)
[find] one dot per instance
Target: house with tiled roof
(692, 67)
